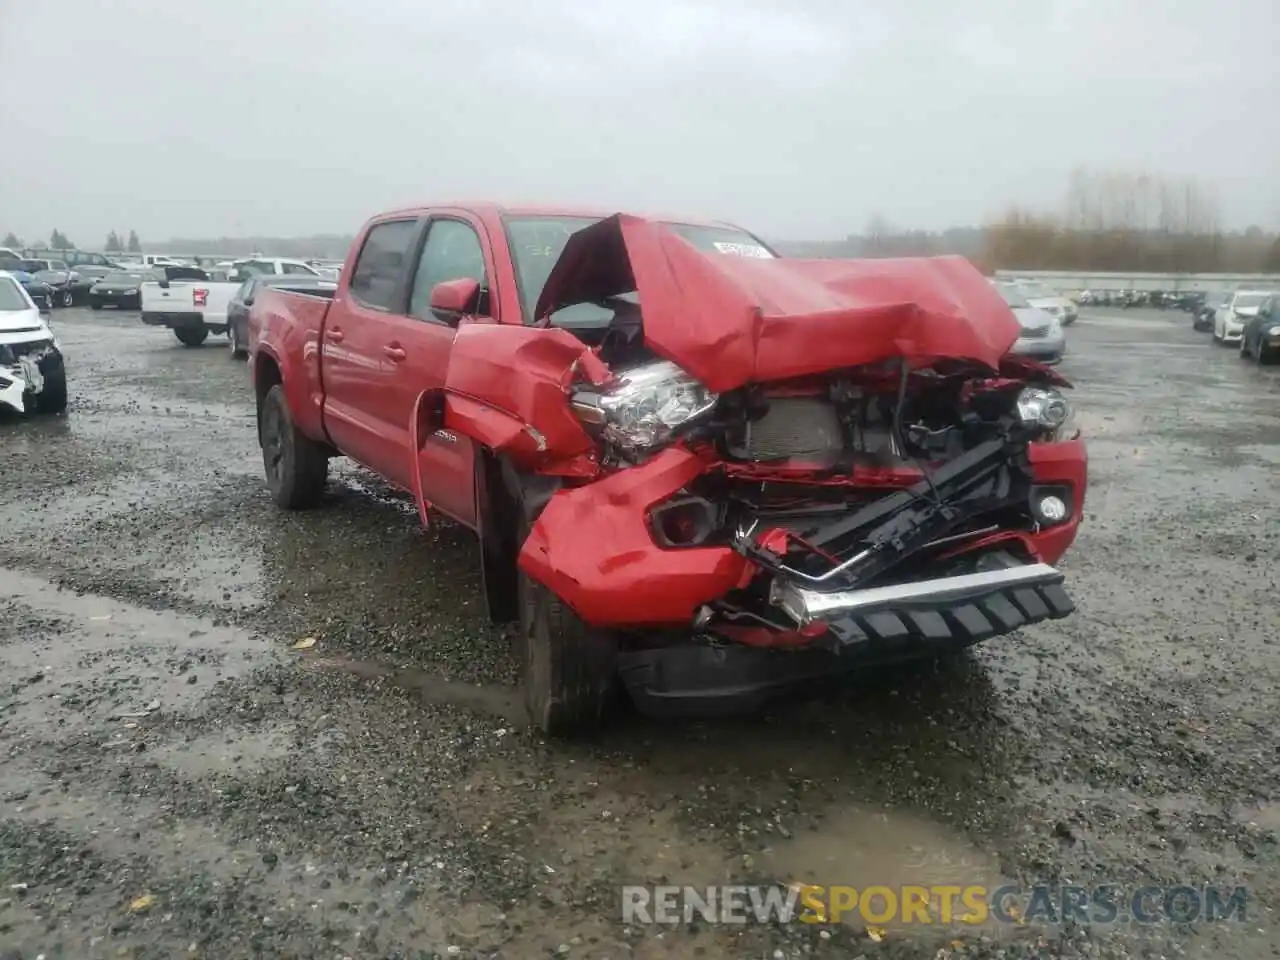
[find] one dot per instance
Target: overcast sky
(799, 118)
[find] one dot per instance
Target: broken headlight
(644, 407)
(1048, 409)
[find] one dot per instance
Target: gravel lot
(375, 794)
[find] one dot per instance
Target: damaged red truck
(696, 470)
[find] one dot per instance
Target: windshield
(1013, 296)
(537, 242)
(11, 296)
(32, 266)
(1244, 301)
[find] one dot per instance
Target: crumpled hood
(1246, 311)
(730, 320)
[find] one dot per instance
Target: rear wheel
(238, 351)
(66, 298)
(95, 304)
(569, 667)
(191, 336)
(296, 466)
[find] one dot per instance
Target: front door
(455, 247)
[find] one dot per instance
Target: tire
(53, 398)
(191, 336)
(238, 352)
(66, 298)
(95, 304)
(569, 669)
(296, 466)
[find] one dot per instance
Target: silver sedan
(1042, 337)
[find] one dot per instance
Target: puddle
(865, 846)
(83, 659)
(501, 701)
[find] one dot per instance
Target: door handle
(334, 334)
(394, 351)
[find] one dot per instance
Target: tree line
(60, 241)
(1108, 222)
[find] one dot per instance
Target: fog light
(685, 522)
(1052, 509)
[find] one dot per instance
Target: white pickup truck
(193, 304)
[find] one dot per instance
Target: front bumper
(1232, 332)
(1048, 350)
(592, 545)
(23, 369)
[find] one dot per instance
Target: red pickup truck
(698, 471)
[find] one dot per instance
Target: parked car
(1261, 337)
(778, 470)
(1050, 301)
(1202, 315)
(1042, 337)
(33, 376)
(40, 292)
(120, 289)
(273, 266)
(238, 308)
(1230, 318)
(188, 302)
(73, 258)
(60, 278)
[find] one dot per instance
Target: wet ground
(176, 779)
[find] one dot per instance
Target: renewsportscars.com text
(908, 904)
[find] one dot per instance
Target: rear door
(360, 410)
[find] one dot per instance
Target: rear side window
(377, 270)
(296, 268)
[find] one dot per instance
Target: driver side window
(452, 252)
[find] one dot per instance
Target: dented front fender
(508, 389)
(591, 545)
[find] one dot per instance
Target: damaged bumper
(760, 625)
(23, 369)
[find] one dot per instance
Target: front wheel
(53, 397)
(191, 336)
(296, 466)
(95, 304)
(569, 668)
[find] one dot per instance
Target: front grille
(1035, 333)
(800, 428)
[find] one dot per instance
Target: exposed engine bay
(835, 484)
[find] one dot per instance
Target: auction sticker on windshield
(743, 250)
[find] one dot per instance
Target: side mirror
(453, 299)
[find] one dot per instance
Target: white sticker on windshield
(743, 250)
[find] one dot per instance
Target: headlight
(644, 407)
(1047, 408)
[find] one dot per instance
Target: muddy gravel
(178, 778)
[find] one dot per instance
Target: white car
(33, 375)
(1230, 318)
(188, 302)
(1050, 301)
(273, 266)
